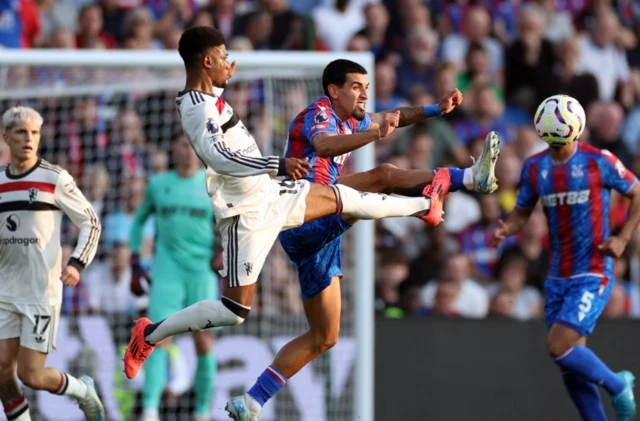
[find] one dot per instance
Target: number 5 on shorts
(586, 302)
(45, 319)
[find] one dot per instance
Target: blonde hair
(20, 114)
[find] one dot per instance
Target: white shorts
(36, 325)
(247, 238)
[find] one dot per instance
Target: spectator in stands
(359, 43)
(534, 245)
(258, 29)
(108, 284)
(485, 116)
(527, 143)
(167, 14)
(336, 24)
(476, 242)
(471, 299)
(525, 301)
(477, 71)
(508, 172)
(600, 56)
(444, 302)
(393, 270)
(581, 85)
(96, 186)
(287, 26)
(416, 69)
(138, 24)
(225, 16)
(113, 17)
(62, 39)
(90, 25)
(386, 79)
(530, 61)
(559, 23)
(477, 25)
(606, 123)
(375, 29)
(129, 150)
(117, 225)
(55, 15)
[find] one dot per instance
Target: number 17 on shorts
(35, 325)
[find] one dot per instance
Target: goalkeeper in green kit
(181, 273)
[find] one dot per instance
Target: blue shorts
(315, 248)
(576, 302)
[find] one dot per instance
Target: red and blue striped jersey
(320, 118)
(575, 197)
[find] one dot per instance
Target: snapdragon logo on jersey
(565, 198)
(13, 223)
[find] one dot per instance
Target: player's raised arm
(73, 203)
(412, 115)
(320, 128)
(202, 125)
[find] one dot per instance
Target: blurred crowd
(505, 56)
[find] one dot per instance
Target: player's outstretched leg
(585, 396)
(562, 346)
(202, 315)
(33, 374)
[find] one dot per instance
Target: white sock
(376, 205)
(467, 179)
(151, 412)
(199, 316)
(70, 386)
(21, 407)
(252, 404)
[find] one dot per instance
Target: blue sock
(268, 384)
(581, 360)
(586, 397)
(457, 179)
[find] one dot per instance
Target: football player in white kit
(33, 196)
(251, 208)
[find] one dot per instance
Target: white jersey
(31, 207)
(238, 177)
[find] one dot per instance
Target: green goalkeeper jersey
(183, 218)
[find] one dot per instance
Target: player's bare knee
(555, 347)
(325, 340)
(383, 174)
(7, 368)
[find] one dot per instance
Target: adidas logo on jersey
(39, 339)
(565, 198)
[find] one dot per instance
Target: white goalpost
(111, 113)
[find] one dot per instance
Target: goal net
(109, 120)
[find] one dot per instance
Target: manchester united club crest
(33, 194)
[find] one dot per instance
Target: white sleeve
(201, 122)
(70, 199)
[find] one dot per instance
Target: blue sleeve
(527, 195)
(318, 120)
(364, 124)
(614, 174)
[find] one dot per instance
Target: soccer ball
(560, 120)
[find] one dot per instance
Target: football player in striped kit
(34, 194)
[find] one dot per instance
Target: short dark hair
(336, 73)
(196, 41)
